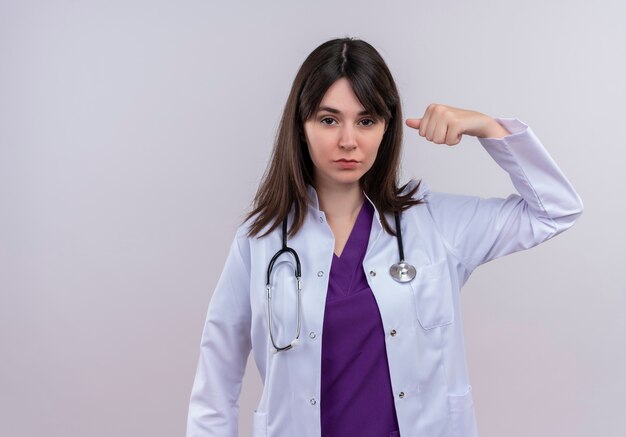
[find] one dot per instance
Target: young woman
(353, 313)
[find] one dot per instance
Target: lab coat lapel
(376, 229)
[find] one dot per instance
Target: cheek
(373, 146)
(319, 143)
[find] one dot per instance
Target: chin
(347, 180)
(341, 179)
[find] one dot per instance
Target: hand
(444, 124)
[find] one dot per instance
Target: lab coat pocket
(462, 417)
(259, 424)
(432, 289)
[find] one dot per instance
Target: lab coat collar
(314, 199)
(377, 226)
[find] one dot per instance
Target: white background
(133, 135)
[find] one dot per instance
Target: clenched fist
(444, 124)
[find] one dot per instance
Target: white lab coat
(445, 239)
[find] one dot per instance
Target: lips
(347, 163)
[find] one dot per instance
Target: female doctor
(353, 314)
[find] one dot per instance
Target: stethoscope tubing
(401, 272)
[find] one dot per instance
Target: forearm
(478, 230)
(534, 173)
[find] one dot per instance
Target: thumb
(413, 122)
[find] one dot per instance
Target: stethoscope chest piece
(402, 272)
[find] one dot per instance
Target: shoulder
(242, 233)
(242, 244)
(422, 192)
(435, 202)
(428, 196)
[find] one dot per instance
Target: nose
(347, 139)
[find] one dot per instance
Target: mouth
(347, 164)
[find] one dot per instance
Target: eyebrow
(337, 111)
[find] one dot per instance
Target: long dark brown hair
(290, 169)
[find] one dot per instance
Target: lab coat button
(320, 273)
(321, 219)
(312, 334)
(372, 272)
(393, 332)
(401, 395)
(313, 401)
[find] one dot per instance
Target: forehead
(341, 96)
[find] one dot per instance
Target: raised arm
(478, 230)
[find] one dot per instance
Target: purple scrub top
(356, 396)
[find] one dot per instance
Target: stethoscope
(401, 272)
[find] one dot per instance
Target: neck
(340, 202)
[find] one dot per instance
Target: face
(342, 138)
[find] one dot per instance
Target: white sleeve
(478, 230)
(224, 350)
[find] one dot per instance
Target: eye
(367, 122)
(327, 121)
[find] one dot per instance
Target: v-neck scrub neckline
(344, 268)
(363, 221)
(356, 395)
